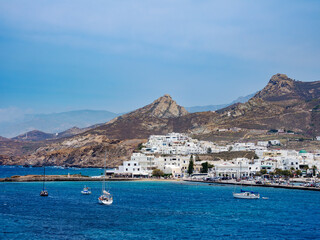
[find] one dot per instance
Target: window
(126, 169)
(134, 169)
(135, 164)
(138, 169)
(128, 164)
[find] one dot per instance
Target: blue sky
(120, 55)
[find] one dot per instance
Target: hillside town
(172, 153)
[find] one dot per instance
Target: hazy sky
(120, 55)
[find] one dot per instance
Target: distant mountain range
(54, 122)
(51, 124)
(282, 104)
(220, 106)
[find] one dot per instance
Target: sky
(120, 55)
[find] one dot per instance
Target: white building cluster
(268, 160)
(171, 153)
(142, 164)
(175, 143)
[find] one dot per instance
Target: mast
(44, 176)
(104, 173)
(240, 176)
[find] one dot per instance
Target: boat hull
(44, 194)
(246, 195)
(85, 192)
(105, 202)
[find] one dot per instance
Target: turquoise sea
(155, 210)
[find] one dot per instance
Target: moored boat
(246, 195)
(86, 191)
(106, 197)
(44, 192)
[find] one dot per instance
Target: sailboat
(243, 194)
(106, 197)
(44, 192)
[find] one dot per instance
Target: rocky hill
(34, 136)
(163, 107)
(283, 103)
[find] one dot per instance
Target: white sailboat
(44, 192)
(106, 197)
(243, 194)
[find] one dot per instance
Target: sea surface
(8, 171)
(155, 210)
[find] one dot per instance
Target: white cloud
(259, 30)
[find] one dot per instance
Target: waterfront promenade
(248, 183)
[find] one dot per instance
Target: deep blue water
(155, 210)
(8, 171)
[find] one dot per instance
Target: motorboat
(86, 191)
(246, 195)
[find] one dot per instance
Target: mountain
(220, 106)
(283, 103)
(163, 107)
(54, 122)
(34, 135)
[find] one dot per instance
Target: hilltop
(282, 104)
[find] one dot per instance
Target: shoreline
(225, 182)
(71, 178)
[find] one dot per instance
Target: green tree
(157, 173)
(210, 166)
(298, 172)
(287, 173)
(190, 167)
(278, 172)
(314, 169)
(140, 146)
(263, 171)
(205, 167)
